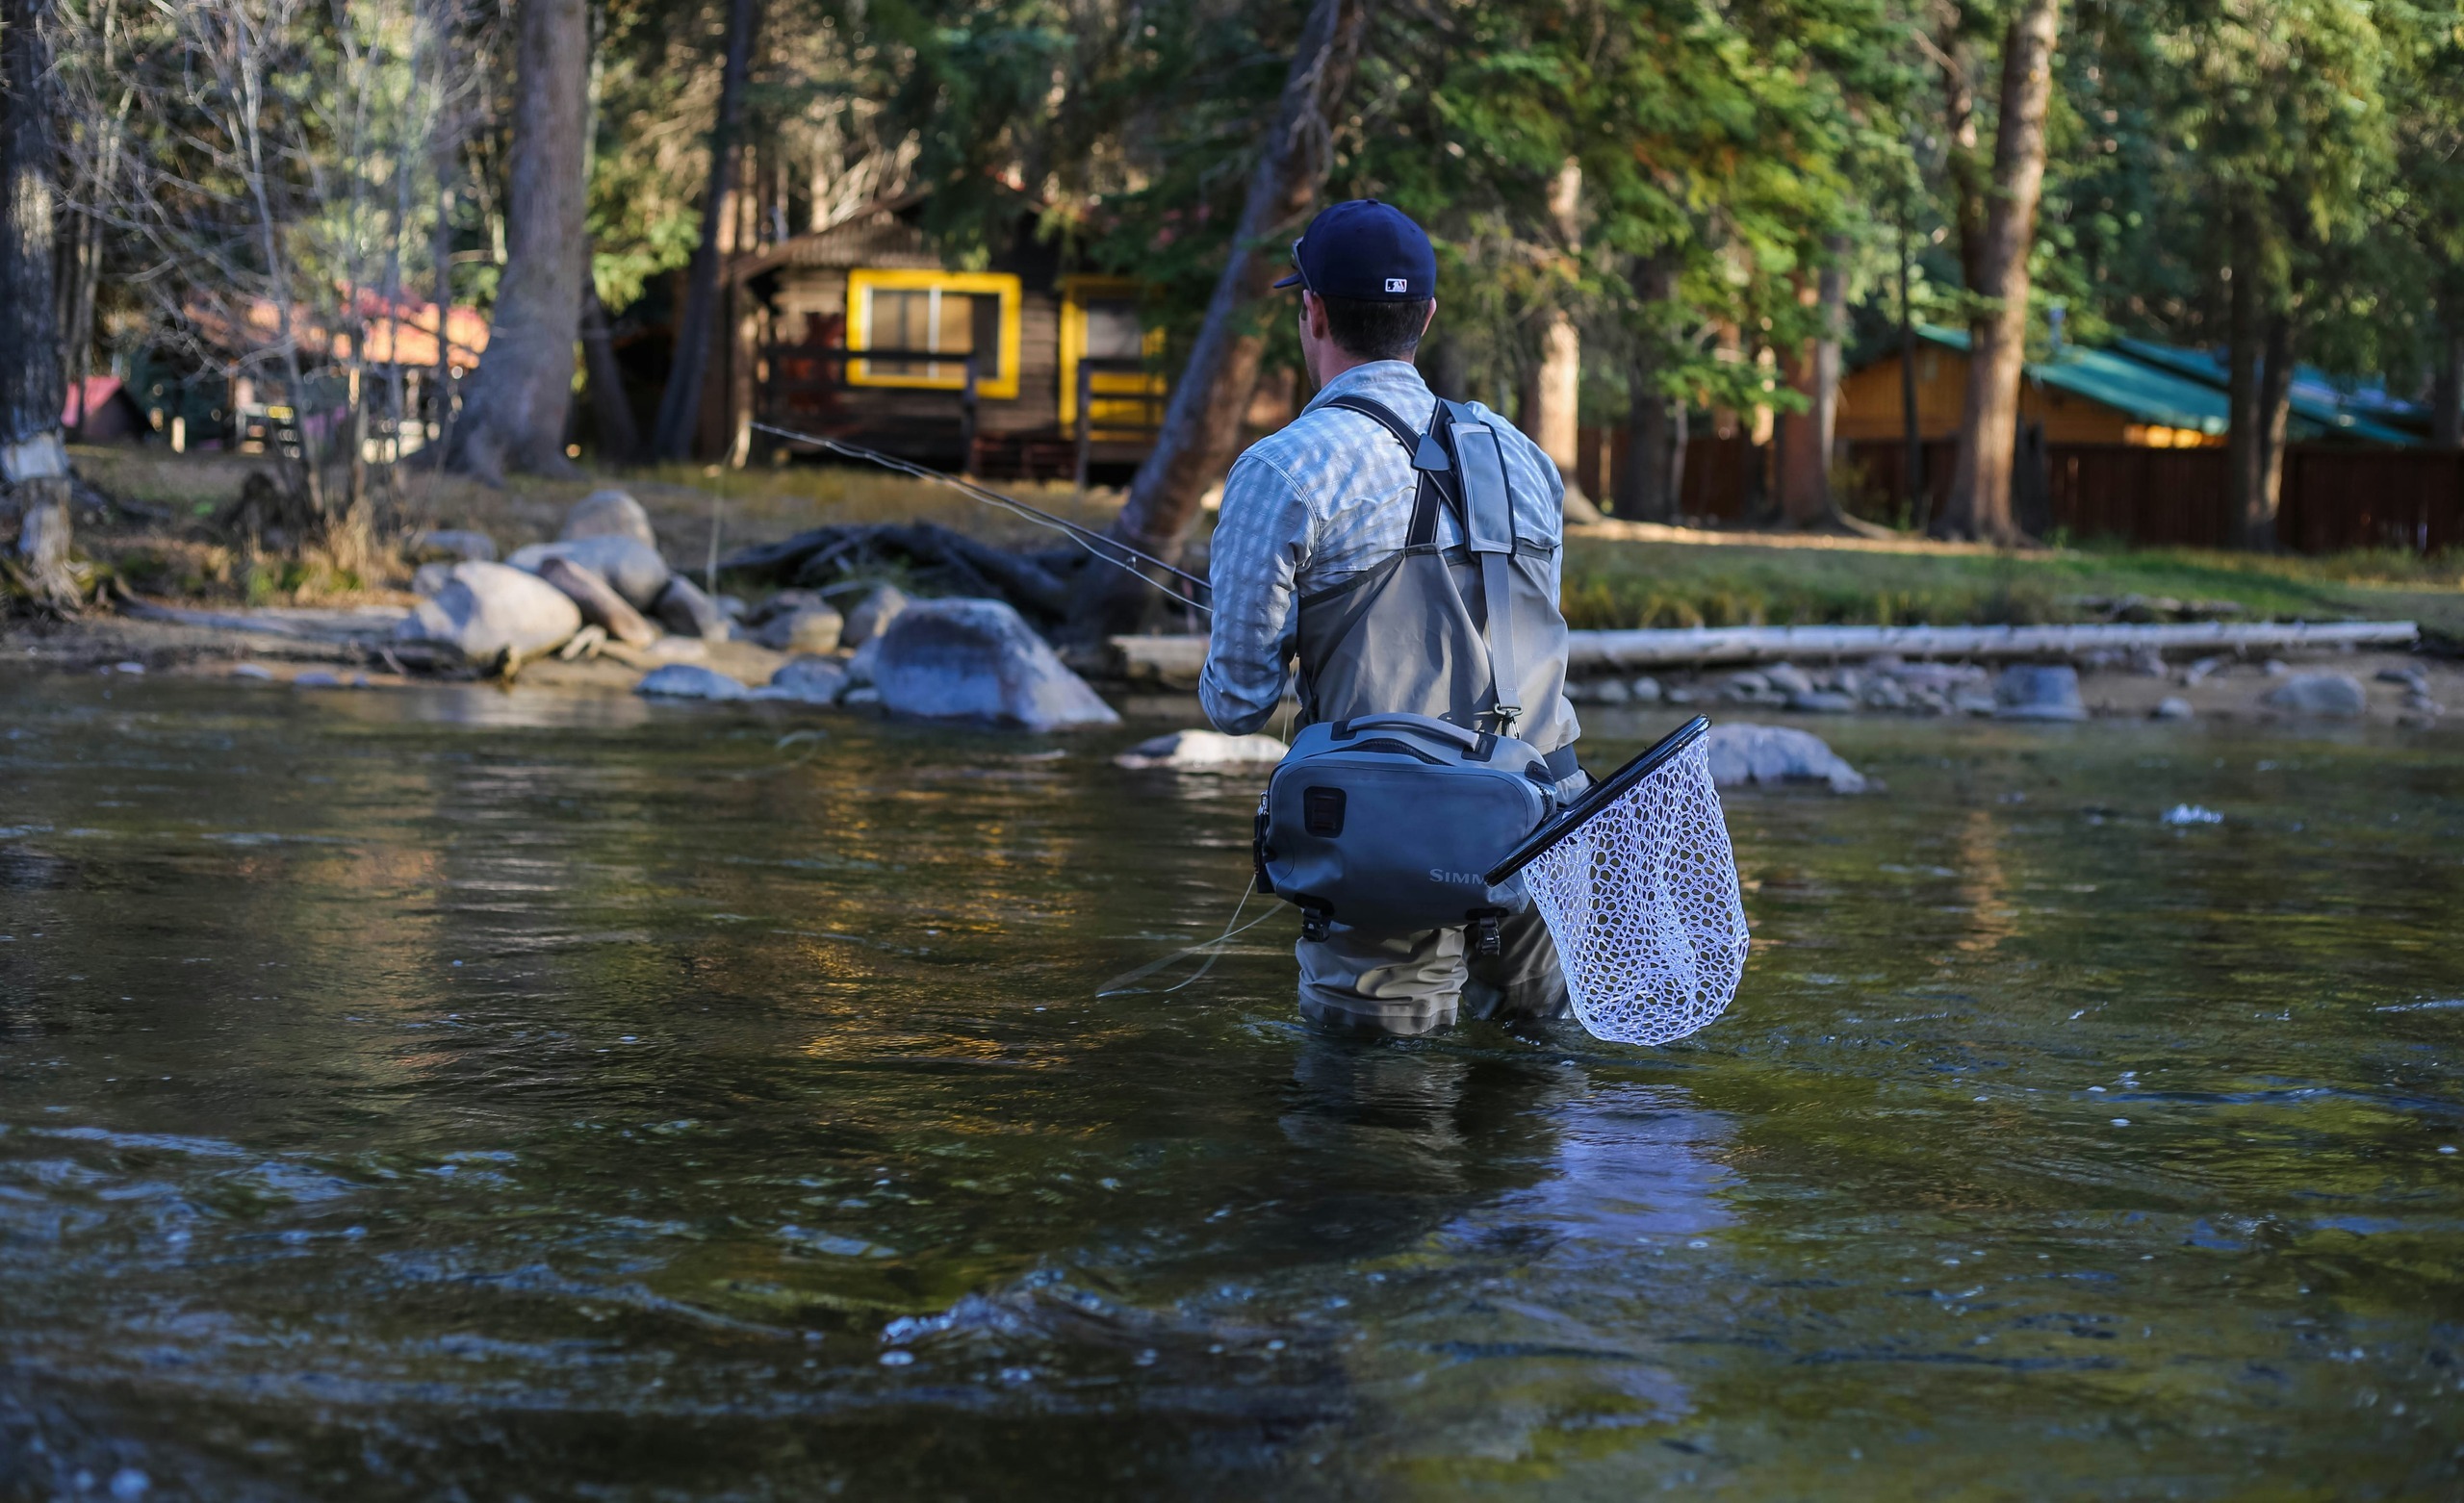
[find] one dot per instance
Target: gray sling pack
(1387, 821)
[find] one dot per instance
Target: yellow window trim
(1076, 293)
(1002, 382)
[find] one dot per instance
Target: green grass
(1612, 584)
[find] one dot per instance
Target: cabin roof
(875, 239)
(2157, 384)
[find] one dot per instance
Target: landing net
(1641, 894)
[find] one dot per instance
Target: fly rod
(1085, 537)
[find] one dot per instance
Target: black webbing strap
(1428, 457)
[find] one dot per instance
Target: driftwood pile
(1038, 584)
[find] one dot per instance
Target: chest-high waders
(1435, 726)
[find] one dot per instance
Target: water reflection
(619, 1101)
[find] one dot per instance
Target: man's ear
(1427, 322)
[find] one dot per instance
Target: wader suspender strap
(1429, 458)
(1488, 531)
(1487, 508)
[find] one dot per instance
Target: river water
(448, 1093)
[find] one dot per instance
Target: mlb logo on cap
(1365, 251)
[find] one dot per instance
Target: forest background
(1714, 201)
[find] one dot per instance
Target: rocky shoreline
(599, 609)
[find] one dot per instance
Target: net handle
(1597, 797)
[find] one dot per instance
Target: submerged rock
(482, 610)
(978, 660)
(2033, 691)
(872, 615)
(1743, 752)
(607, 513)
(689, 682)
(1203, 750)
(2329, 696)
(633, 567)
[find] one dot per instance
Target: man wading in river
(1325, 556)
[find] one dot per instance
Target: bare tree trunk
(1202, 424)
(680, 405)
(1979, 500)
(2275, 411)
(1806, 437)
(514, 418)
(620, 442)
(2447, 387)
(1967, 172)
(1642, 488)
(1911, 478)
(1553, 401)
(31, 391)
(2242, 375)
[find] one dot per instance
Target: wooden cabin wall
(1870, 410)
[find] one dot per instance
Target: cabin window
(1100, 321)
(924, 315)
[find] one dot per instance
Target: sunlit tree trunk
(680, 405)
(1201, 424)
(1980, 499)
(515, 406)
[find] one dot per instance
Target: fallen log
(600, 605)
(1607, 651)
(1177, 659)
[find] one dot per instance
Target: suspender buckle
(1486, 937)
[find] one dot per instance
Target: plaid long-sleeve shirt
(1329, 496)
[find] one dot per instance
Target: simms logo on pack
(1398, 284)
(1439, 874)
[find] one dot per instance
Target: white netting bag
(1642, 900)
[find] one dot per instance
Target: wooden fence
(2335, 497)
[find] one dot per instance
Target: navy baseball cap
(1367, 251)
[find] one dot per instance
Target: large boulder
(607, 513)
(1204, 752)
(2328, 696)
(483, 610)
(2032, 690)
(1744, 752)
(978, 660)
(689, 682)
(633, 567)
(684, 609)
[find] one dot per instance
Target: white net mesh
(1642, 900)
